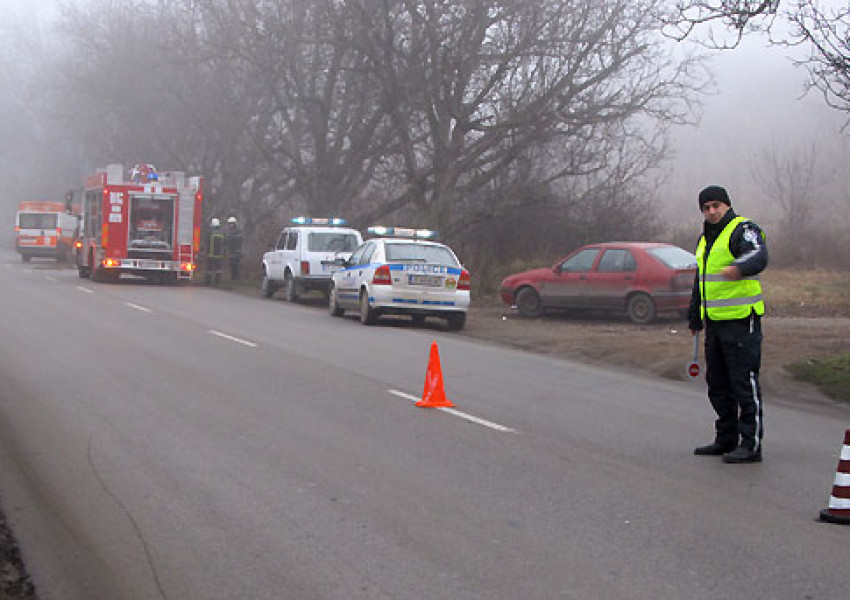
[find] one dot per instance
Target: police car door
(351, 277)
(275, 262)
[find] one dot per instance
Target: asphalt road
(184, 442)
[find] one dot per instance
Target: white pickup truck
(305, 256)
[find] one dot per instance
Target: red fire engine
(146, 224)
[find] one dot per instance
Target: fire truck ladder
(184, 255)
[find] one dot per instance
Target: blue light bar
(318, 221)
(419, 234)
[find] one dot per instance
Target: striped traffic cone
(839, 501)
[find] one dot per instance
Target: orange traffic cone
(839, 501)
(434, 395)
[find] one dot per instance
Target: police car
(402, 272)
(306, 254)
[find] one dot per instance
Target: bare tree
(471, 87)
(790, 178)
(323, 128)
(821, 27)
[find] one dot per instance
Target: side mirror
(556, 269)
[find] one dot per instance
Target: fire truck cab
(142, 223)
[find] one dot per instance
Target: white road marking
(137, 307)
(49, 278)
(458, 413)
(86, 290)
(232, 339)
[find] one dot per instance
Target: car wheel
(456, 321)
(333, 303)
(368, 315)
(25, 257)
(641, 309)
(289, 286)
(83, 272)
(528, 303)
(267, 285)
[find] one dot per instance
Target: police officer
(727, 300)
(215, 253)
(233, 243)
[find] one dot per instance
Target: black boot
(714, 449)
(742, 455)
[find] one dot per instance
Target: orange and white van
(45, 229)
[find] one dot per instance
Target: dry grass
(807, 293)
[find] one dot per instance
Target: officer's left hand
(731, 272)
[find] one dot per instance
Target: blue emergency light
(318, 221)
(419, 234)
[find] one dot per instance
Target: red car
(641, 279)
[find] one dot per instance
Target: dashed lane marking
(232, 339)
(457, 413)
(137, 307)
(85, 289)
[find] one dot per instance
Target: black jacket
(747, 246)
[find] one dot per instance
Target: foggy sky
(758, 104)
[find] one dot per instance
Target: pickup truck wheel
(368, 315)
(267, 286)
(289, 288)
(456, 321)
(528, 303)
(333, 303)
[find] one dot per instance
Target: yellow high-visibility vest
(724, 299)
(216, 249)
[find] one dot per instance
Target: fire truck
(140, 222)
(46, 229)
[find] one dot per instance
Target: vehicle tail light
(188, 267)
(110, 262)
(464, 283)
(78, 244)
(58, 232)
(17, 228)
(305, 267)
(382, 276)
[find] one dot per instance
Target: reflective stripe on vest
(725, 299)
(216, 245)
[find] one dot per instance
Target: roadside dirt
(661, 349)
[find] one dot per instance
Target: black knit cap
(714, 192)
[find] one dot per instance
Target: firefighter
(215, 253)
(727, 301)
(233, 246)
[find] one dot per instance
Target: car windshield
(332, 242)
(37, 220)
(674, 257)
(425, 253)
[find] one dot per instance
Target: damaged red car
(640, 279)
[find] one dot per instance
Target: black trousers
(733, 359)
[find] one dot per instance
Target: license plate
(426, 280)
(148, 264)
